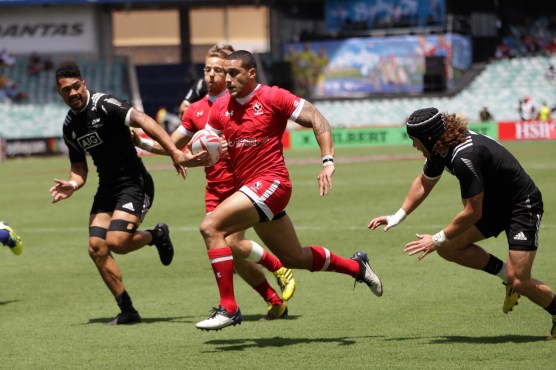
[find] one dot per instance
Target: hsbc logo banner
(527, 130)
(48, 30)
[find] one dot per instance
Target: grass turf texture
(53, 304)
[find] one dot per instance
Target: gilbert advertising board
(372, 136)
(48, 30)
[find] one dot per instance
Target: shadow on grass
(177, 320)
(145, 320)
(489, 339)
(3, 303)
(261, 317)
(476, 340)
(276, 342)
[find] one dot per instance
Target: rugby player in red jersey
(221, 184)
(253, 118)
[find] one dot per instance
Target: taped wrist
(146, 144)
(439, 238)
(396, 218)
(74, 184)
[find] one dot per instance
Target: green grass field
(433, 315)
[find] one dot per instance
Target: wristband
(396, 218)
(327, 160)
(146, 144)
(73, 184)
(439, 238)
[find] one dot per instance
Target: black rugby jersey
(482, 164)
(101, 130)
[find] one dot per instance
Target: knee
(519, 284)
(98, 251)
(116, 244)
(208, 227)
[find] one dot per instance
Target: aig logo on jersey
(89, 141)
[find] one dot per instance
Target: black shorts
(131, 195)
(521, 223)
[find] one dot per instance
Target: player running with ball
(253, 118)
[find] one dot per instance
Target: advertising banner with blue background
(365, 65)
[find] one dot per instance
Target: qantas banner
(527, 130)
(48, 30)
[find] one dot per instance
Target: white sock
(257, 252)
(502, 274)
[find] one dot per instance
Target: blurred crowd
(528, 37)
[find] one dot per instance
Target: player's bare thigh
(460, 242)
(235, 213)
(113, 238)
(520, 264)
(280, 237)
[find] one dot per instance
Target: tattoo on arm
(310, 116)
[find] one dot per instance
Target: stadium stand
(499, 87)
(43, 112)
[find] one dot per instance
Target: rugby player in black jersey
(99, 124)
(497, 195)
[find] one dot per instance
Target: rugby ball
(206, 140)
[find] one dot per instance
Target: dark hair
(247, 59)
(68, 69)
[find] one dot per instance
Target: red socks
(270, 262)
(323, 260)
(268, 293)
(222, 264)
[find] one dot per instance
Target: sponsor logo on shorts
(129, 206)
(520, 236)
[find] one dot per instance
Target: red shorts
(271, 196)
(214, 195)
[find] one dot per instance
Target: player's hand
(177, 158)
(135, 136)
(224, 142)
(424, 245)
(180, 170)
(377, 221)
(325, 179)
(201, 159)
(62, 190)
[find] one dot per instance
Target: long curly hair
(454, 134)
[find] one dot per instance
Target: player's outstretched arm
(64, 189)
(153, 129)
(419, 190)
(310, 116)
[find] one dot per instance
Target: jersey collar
(213, 98)
(246, 98)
